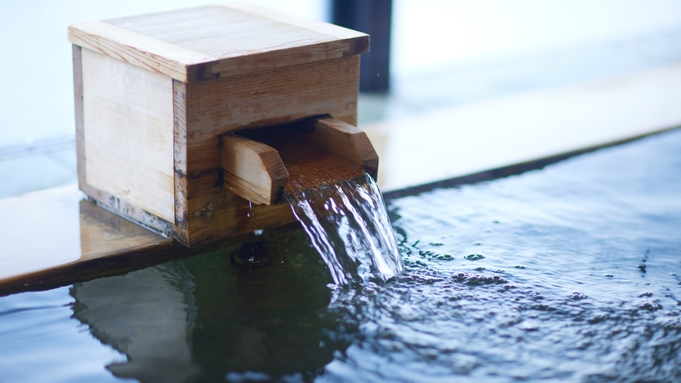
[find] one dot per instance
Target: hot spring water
(348, 225)
(569, 273)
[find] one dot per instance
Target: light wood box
(155, 93)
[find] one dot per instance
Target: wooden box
(156, 95)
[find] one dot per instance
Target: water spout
(348, 225)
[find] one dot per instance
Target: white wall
(429, 34)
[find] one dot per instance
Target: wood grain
(160, 90)
(310, 162)
(268, 98)
(252, 170)
(139, 50)
(103, 198)
(344, 140)
(78, 241)
(180, 156)
(128, 131)
(237, 39)
(79, 114)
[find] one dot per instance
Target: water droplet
(250, 210)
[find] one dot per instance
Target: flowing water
(571, 273)
(348, 225)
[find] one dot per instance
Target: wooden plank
(108, 200)
(285, 58)
(345, 140)
(220, 214)
(128, 132)
(57, 230)
(217, 107)
(180, 157)
(79, 114)
(139, 50)
(253, 170)
(244, 39)
(316, 26)
(59, 239)
(311, 162)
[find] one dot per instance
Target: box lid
(217, 41)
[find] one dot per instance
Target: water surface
(569, 273)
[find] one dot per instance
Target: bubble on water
(646, 294)
(427, 254)
(609, 275)
(519, 266)
(474, 257)
(650, 306)
(436, 244)
(578, 296)
(641, 267)
(478, 280)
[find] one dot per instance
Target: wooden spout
(260, 164)
(252, 170)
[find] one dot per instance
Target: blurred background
(443, 53)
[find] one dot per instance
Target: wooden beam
(345, 140)
(252, 170)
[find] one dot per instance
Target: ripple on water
(538, 306)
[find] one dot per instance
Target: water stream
(348, 225)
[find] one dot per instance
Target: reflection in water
(571, 273)
(147, 315)
(255, 307)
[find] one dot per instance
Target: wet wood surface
(60, 238)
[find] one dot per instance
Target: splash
(348, 224)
